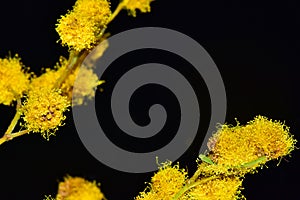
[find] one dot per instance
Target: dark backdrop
(255, 46)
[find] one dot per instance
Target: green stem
(11, 136)
(195, 176)
(15, 120)
(117, 10)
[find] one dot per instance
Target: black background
(255, 46)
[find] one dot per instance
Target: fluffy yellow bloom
(165, 183)
(43, 111)
(133, 5)
(239, 145)
(86, 84)
(80, 28)
(14, 81)
(76, 188)
(217, 189)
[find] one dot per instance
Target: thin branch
(15, 120)
(11, 136)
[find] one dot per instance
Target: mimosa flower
(80, 28)
(238, 146)
(141, 5)
(165, 183)
(14, 81)
(43, 111)
(76, 188)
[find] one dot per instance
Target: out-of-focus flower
(165, 183)
(77, 188)
(80, 28)
(87, 82)
(14, 81)
(93, 57)
(43, 111)
(141, 5)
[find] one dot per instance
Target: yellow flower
(133, 5)
(43, 111)
(217, 189)
(86, 83)
(239, 145)
(80, 28)
(207, 170)
(76, 188)
(49, 76)
(86, 78)
(165, 183)
(13, 80)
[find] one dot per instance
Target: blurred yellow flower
(80, 28)
(87, 82)
(76, 188)
(14, 81)
(98, 51)
(133, 5)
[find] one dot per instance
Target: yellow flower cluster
(133, 5)
(86, 78)
(76, 188)
(86, 83)
(14, 81)
(97, 53)
(81, 27)
(165, 183)
(242, 149)
(217, 189)
(43, 111)
(234, 151)
(238, 145)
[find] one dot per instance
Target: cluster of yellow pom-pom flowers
(83, 27)
(41, 102)
(233, 152)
